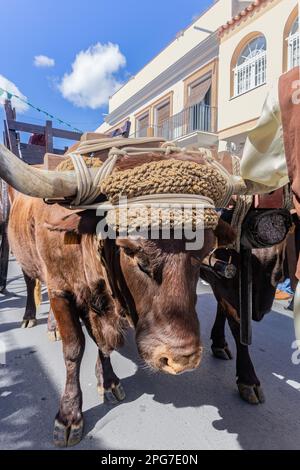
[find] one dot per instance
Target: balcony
(250, 74)
(194, 126)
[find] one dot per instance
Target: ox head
(161, 277)
(155, 283)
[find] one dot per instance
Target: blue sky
(62, 29)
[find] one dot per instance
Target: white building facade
(207, 87)
(256, 47)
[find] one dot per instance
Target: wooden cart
(40, 142)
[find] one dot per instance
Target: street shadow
(14, 278)
(16, 300)
(11, 301)
(9, 326)
(266, 426)
(28, 402)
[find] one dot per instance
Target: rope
(88, 188)
(208, 156)
(98, 145)
(158, 200)
(158, 210)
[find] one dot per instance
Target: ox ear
(225, 233)
(79, 222)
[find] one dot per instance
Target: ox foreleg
(29, 318)
(247, 381)
(68, 426)
(219, 345)
(108, 384)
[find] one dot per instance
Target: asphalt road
(197, 410)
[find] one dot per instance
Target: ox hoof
(67, 436)
(28, 323)
(252, 394)
(112, 395)
(54, 335)
(222, 353)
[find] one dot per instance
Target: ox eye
(144, 268)
(129, 252)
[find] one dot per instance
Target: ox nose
(177, 364)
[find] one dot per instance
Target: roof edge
(236, 20)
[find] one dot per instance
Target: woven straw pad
(160, 177)
(164, 177)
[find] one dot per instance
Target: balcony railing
(250, 74)
(198, 117)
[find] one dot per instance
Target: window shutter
(198, 90)
(142, 125)
(144, 121)
(162, 113)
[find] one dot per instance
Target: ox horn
(33, 181)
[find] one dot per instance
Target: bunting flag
(12, 95)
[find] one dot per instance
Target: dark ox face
(162, 278)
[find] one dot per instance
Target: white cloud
(9, 86)
(92, 79)
(43, 61)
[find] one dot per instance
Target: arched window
(293, 46)
(250, 68)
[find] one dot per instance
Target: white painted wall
(232, 112)
(219, 13)
(178, 104)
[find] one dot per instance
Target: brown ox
(267, 268)
(103, 283)
(267, 264)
